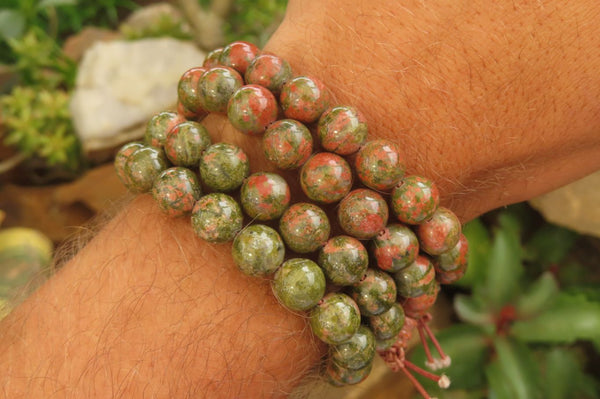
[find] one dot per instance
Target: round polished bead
(344, 260)
(384, 344)
(251, 109)
(216, 86)
(299, 284)
(304, 99)
(440, 233)
(452, 265)
(265, 196)
(326, 177)
(415, 199)
(258, 250)
(121, 158)
(176, 190)
(213, 58)
(416, 279)
(342, 129)
(375, 293)
(159, 125)
(217, 217)
(395, 247)
(335, 319)
(304, 227)
(187, 91)
(363, 213)
(389, 323)
(143, 166)
(379, 165)
(418, 306)
(357, 352)
(339, 376)
(187, 114)
(287, 143)
(223, 167)
(186, 142)
(238, 55)
(270, 71)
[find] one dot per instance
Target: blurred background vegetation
(524, 322)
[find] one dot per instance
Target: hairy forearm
(491, 100)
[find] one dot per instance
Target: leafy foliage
(254, 20)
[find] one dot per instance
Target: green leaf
(564, 377)
(514, 374)
(470, 310)
(12, 24)
(550, 244)
(55, 3)
(504, 268)
(570, 318)
(469, 348)
(538, 297)
(479, 246)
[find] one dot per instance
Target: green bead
(217, 218)
(304, 99)
(344, 260)
(176, 190)
(265, 196)
(299, 284)
(187, 90)
(258, 250)
(389, 323)
(159, 125)
(335, 319)
(440, 233)
(121, 159)
(326, 177)
(363, 213)
(213, 58)
(374, 294)
(384, 344)
(339, 376)
(395, 247)
(251, 109)
(416, 279)
(143, 167)
(216, 86)
(415, 199)
(379, 165)
(223, 167)
(304, 227)
(342, 129)
(186, 142)
(357, 352)
(287, 143)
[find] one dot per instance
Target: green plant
(517, 335)
(254, 20)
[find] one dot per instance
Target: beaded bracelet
(383, 277)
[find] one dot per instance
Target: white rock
(121, 84)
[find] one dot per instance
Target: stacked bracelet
(381, 277)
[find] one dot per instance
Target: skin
(495, 101)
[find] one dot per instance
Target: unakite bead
(143, 166)
(176, 190)
(299, 284)
(304, 98)
(270, 71)
(339, 376)
(344, 260)
(238, 55)
(187, 91)
(375, 293)
(326, 177)
(440, 233)
(304, 227)
(384, 344)
(363, 213)
(395, 247)
(186, 113)
(216, 86)
(159, 125)
(416, 279)
(223, 167)
(342, 129)
(452, 265)
(186, 142)
(357, 352)
(379, 165)
(217, 217)
(287, 143)
(265, 196)
(418, 306)
(213, 58)
(415, 199)
(335, 319)
(258, 250)
(251, 109)
(121, 158)
(389, 323)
